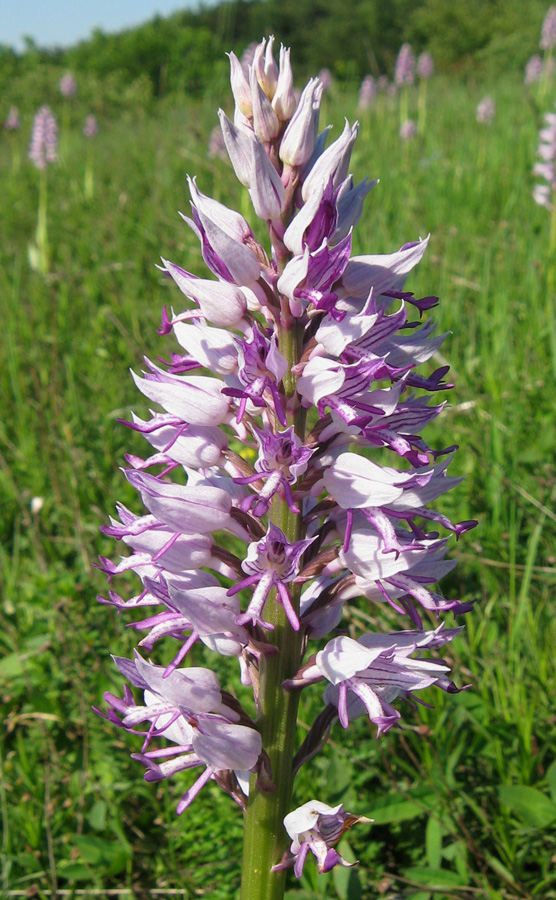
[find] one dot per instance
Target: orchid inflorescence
(297, 366)
(543, 194)
(43, 148)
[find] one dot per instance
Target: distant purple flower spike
(425, 65)
(548, 30)
(486, 111)
(533, 70)
(216, 147)
(13, 121)
(68, 85)
(90, 128)
(405, 66)
(408, 130)
(367, 92)
(248, 55)
(543, 194)
(44, 139)
(325, 78)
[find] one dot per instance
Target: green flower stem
(42, 227)
(422, 119)
(550, 287)
(89, 184)
(265, 839)
(545, 77)
(404, 105)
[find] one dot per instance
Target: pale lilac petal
(356, 482)
(196, 399)
(383, 272)
(227, 746)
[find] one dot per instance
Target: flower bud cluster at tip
(210, 559)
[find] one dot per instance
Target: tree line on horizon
(184, 52)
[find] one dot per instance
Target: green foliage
(464, 794)
(504, 33)
(175, 57)
(184, 52)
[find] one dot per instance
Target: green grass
(464, 797)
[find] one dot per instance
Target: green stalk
(422, 120)
(64, 131)
(404, 105)
(550, 285)
(265, 839)
(89, 185)
(543, 83)
(38, 254)
(16, 157)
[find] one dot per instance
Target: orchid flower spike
(295, 377)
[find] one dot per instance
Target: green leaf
(75, 872)
(433, 842)
(435, 878)
(338, 776)
(108, 857)
(531, 804)
(97, 815)
(551, 779)
(90, 849)
(499, 868)
(346, 881)
(393, 808)
(302, 895)
(11, 666)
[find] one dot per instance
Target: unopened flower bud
(299, 138)
(238, 144)
(333, 163)
(284, 102)
(265, 121)
(266, 191)
(221, 303)
(240, 86)
(265, 68)
(271, 70)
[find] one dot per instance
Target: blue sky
(64, 22)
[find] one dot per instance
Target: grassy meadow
(464, 794)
